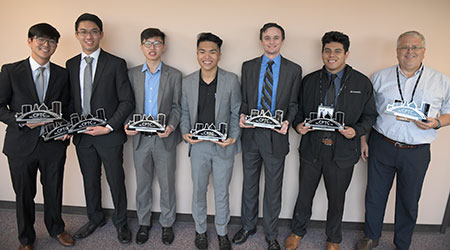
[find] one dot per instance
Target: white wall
(373, 27)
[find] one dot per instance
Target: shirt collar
(276, 60)
(34, 65)
(94, 55)
(146, 69)
(338, 74)
(415, 73)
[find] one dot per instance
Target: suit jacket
(111, 90)
(17, 88)
(286, 99)
(228, 102)
(356, 101)
(169, 98)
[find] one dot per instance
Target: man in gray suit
(269, 82)
(157, 89)
(211, 96)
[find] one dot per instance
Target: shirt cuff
(110, 128)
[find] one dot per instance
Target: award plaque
(408, 110)
(324, 120)
(142, 123)
(264, 119)
(56, 130)
(39, 113)
(80, 124)
(209, 132)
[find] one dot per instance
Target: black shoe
(201, 241)
(124, 234)
(142, 234)
(273, 244)
(87, 229)
(366, 244)
(167, 235)
(242, 235)
(224, 243)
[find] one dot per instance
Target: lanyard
(321, 94)
(415, 86)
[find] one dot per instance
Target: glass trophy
(142, 123)
(39, 113)
(80, 124)
(407, 111)
(325, 119)
(208, 132)
(264, 119)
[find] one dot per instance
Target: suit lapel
(51, 82)
(193, 105)
(221, 81)
(75, 79)
(281, 82)
(140, 91)
(99, 70)
(27, 74)
(254, 81)
(162, 84)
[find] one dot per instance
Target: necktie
(331, 91)
(40, 84)
(266, 100)
(87, 88)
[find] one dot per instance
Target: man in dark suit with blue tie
(100, 80)
(270, 82)
(35, 80)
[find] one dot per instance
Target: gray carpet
(106, 237)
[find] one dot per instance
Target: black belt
(397, 144)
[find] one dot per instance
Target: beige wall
(373, 27)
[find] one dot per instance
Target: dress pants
(336, 179)
(205, 160)
(151, 155)
(49, 160)
(260, 151)
(90, 159)
(410, 166)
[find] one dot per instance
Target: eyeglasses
(85, 33)
(42, 41)
(148, 44)
(413, 48)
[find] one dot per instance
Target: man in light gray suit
(211, 96)
(157, 89)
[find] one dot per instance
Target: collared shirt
(82, 67)
(207, 100)
(337, 84)
(151, 90)
(35, 69)
(276, 73)
(433, 88)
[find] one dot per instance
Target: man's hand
(129, 132)
(242, 122)
(348, 132)
(167, 132)
(364, 148)
(302, 129)
(432, 123)
(97, 130)
(64, 137)
(227, 142)
(35, 125)
(188, 137)
(284, 128)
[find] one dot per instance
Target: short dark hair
(270, 25)
(336, 36)
(89, 17)
(152, 32)
(43, 30)
(209, 37)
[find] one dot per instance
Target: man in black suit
(35, 80)
(266, 145)
(336, 87)
(100, 80)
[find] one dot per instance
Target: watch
(439, 124)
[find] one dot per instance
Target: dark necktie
(87, 88)
(331, 91)
(266, 100)
(40, 84)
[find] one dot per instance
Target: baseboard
(235, 220)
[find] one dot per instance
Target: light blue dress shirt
(151, 90)
(276, 74)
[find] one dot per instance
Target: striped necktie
(266, 100)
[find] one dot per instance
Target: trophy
(264, 119)
(80, 124)
(406, 111)
(56, 130)
(209, 132)
(142, 123)
(324, 120)
(39, 113)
